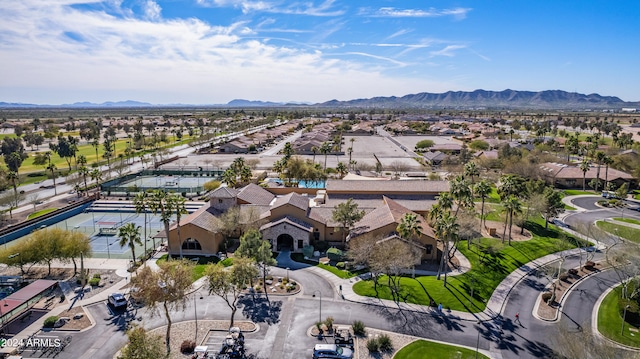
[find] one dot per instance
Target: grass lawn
(636, 194)
(576, 192)
(41, 213)
(198, 270)
(344, 274)
(628, 220)
(493, 212)
(493, 196)
(417, 350)
(610, 321)
(625, 232)
(488, 270)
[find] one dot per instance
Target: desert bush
(564, 277)
(335, 254)
(211, 185)
(373, 346)
(358, 328)
(187, 346)
(590, 265)
(385, 343)
(94, 282)
(97, 275)
(329, 323)
(546, 296)
(573, 271)
(340, 265)
(50, 321)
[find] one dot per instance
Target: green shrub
(94, 282)
(546, 296)
(211, 185)
(385, 343)
(50, 321)
(329, 323)
(340, 265)
(97, 275)
(373, 346)
(322, 246)
(358, 328)
(227, 262)
(334, 254)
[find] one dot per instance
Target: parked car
(331, 351)
(117, 300)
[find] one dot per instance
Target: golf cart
(343, 337)
(201, 352)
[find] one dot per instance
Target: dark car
(117, 300)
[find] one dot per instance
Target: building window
(300, 243)
(429, 248)
(219, 200)
(191, 244)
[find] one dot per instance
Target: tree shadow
(260, 310)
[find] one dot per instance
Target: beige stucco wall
(209, 241)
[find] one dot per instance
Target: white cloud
(448, 51)
(152, 10)
(54, 53)
(295, 8)
(458, 13)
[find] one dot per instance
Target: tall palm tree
(607, 161)
(325, 149)
(599, 159)
(584, 167)
(130, 236)
(96, 175)
(341, 169)
(512, 205)
(52, 167)
(96, 144)
(471, 170)
(446, 229)
(81, 161)
(314, 150)
(160, 204)
(176, 203)
(229, 177)
(461, 193)
(510, 185)
(409, 227)
(482, 189)
(13, 177)
(140, 202)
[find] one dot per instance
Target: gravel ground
(399, 341)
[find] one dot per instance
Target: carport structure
(21, 301)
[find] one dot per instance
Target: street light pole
(624, 318)
(314, 294)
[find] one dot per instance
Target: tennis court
(167, 182)
(102, 229)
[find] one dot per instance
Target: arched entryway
(284, 241)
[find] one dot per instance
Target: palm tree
(342, 169)
(229, 177)
(607, 161)
(512, 205)
(13, 177)
(510, 185)
(96, 175)
(176, 203)
(446, 229)
(160, 204)
(599, 159)
(96, 143)
(52, 167)
(84, 171)
(482, 189)
(325, 149)
(471, 170)
(245, 174)
(81, 161)
(314, 150)
(584, 167)
(140, 202)
(409, 227)
(130, 236)
(461, 193)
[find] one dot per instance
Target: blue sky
(213, 51)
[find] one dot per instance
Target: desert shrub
(258, 288)
(50, 321)
(340, 265)
(590, 265)
(373, 346)
(573, 271)
(227, 262)
(358, 328)
(334, 254)
(329, 323)
(546, 296)
(564, 277)
(94, 282)
(97, 275)
(187, 346)
(211, 185)
(385, 343)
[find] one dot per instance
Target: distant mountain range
(507, 99)
(550, 99)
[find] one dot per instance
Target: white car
(117, 300)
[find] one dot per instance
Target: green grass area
(198, 269)
(576, 192)
(628, 220)
(493, 196)
(610, 321)
(625, 232)
(419, 348)
(493, 212)
(636, 194)
(569, 208)
(344, 274)
(40, 213)
(491, 262)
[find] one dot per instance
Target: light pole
(287, 274)
(195, 311)
(314, 294)
(624, 318)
